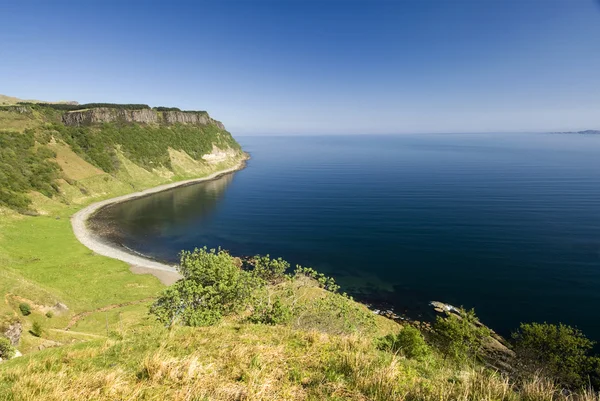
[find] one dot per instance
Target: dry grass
(252, 362)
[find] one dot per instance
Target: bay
(506, 223)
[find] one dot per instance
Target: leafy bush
(408, 342)
(7, 350)
(560, 352)
(212, 286)
(36, 329)
(25, 309)
(24, 169)
(335, 314)
(49, 314)
(161, 108)
(461, 337)
(268, 269)
(271, 313)
(325, 282)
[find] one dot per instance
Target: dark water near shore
(506, 223)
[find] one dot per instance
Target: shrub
(268, 269)
(49, 314)
(212, 286)
(7, 350)
(335, 314)
(271, 313)
(325, 282)
(408, 342)
(560, 352)
(460, 337)
(25, 309)
(36, 329)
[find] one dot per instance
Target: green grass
(233, 361)
(42, 263)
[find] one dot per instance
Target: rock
(48, 344)
(442, 307)
(99, 115)
(60, 308)
(13, 332)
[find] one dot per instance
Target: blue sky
(300, 67)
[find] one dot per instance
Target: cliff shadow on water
(129, 223)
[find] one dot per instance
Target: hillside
(9, 100)
(234, 328)
(49, 170)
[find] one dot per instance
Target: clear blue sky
(317, 67)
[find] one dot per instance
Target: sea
(508, 224)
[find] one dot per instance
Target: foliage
(161, 108)
(408, 342)
(24, 168)
(335, 314)
(147, 146)
(560, 352)
(72, 107)
(25, 309)
(275, 312)
(461, 337)
(49, 314)
(325, 282)
(271, 270)
(212, 286)
(7, 350)
(36, 329)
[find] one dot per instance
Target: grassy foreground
(235, 361)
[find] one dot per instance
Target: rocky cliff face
(144, 116)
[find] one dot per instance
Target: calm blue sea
(506, 223)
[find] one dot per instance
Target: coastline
(138, 263)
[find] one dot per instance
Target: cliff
(142, 116)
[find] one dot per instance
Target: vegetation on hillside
(73, 107)
(24, 168)
(311, 344)
(147, 146)
(216, 285)
(26, 162)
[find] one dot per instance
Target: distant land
(9, 100)
(586, 132)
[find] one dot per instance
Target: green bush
(24, 169)
(49, 314)
(7, 350)
(560, 352)
(212, 286)
(25, 309)
(461, 337)
(271, 313)
(408, 342)
(335, 314)
(36, 329)
(325, 282)
(271, 270)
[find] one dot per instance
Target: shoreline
(96, 244)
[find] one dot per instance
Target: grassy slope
(41, 261)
